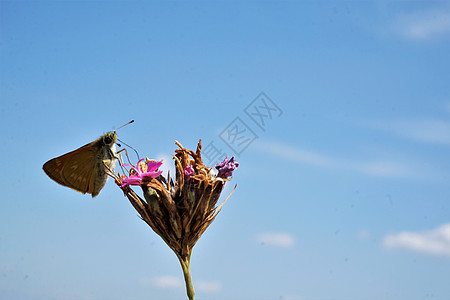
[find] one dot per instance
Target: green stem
(186, 266)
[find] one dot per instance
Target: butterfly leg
(126, 154)
(120, 158)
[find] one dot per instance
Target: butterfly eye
(107, 140)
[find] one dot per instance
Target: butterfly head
(109, 138)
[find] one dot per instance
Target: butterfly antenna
(124, 126)
(137, 154)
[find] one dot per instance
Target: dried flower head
(178, 212)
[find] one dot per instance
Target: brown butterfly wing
(78, 172)
(54, 167)
(75, 169)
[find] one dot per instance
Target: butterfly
(85, 169)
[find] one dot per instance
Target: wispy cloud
(364, 234)
(382, 168)
(374, 168)
(173, 282)
(291, 297)
(423, 25)
(434, 242)
(299, 155)
(426, 130)
(209, 286)
(278, 239)
(167, 282)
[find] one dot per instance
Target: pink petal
(153, 165)
(131, 166)
(131, 180)
(188, 172)
(151, 174)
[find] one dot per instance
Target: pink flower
(142, 172)
(188, 172)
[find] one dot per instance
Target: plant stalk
(186, 266)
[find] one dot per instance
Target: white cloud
(423, 25)
(278, 239)
(167, 282)
(208, 286)
(421, 130)
(435, 241)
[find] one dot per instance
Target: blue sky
(343, 194)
